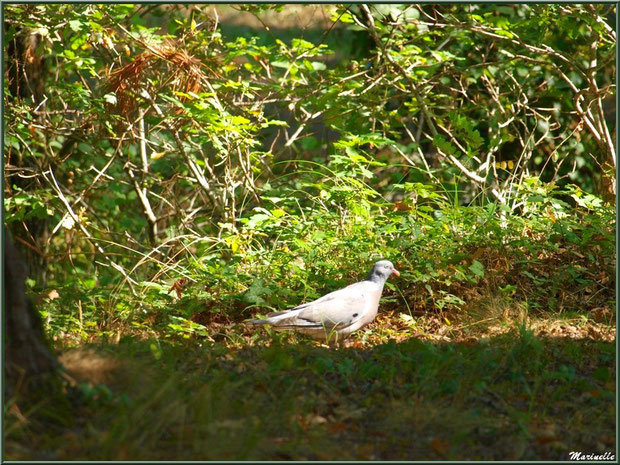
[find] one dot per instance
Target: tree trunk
(25, 72)
(29, 360)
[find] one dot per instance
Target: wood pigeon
(338, 314)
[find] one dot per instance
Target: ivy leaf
(254, 295)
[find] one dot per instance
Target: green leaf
(477, 269)
(280, 64)
(258, 289)
(76, 25)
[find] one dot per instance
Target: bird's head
(382, 270)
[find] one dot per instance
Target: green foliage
(443, 250)
(262, 167)
(25, 205)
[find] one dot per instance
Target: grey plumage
(337, 314)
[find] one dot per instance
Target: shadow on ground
(513, 397)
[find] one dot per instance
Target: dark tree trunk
(26, 69)
(29, 363)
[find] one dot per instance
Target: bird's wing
(355, 289)
(335, 310)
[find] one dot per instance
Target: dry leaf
(178, 286)
(399, 206)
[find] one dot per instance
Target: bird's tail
(271, 318)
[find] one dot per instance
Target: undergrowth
(555, 256)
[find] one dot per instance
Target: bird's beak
(396, 272)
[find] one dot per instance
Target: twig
(190, 163)
(54, 184)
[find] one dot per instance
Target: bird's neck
(378, 280)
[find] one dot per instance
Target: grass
(480, 394)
